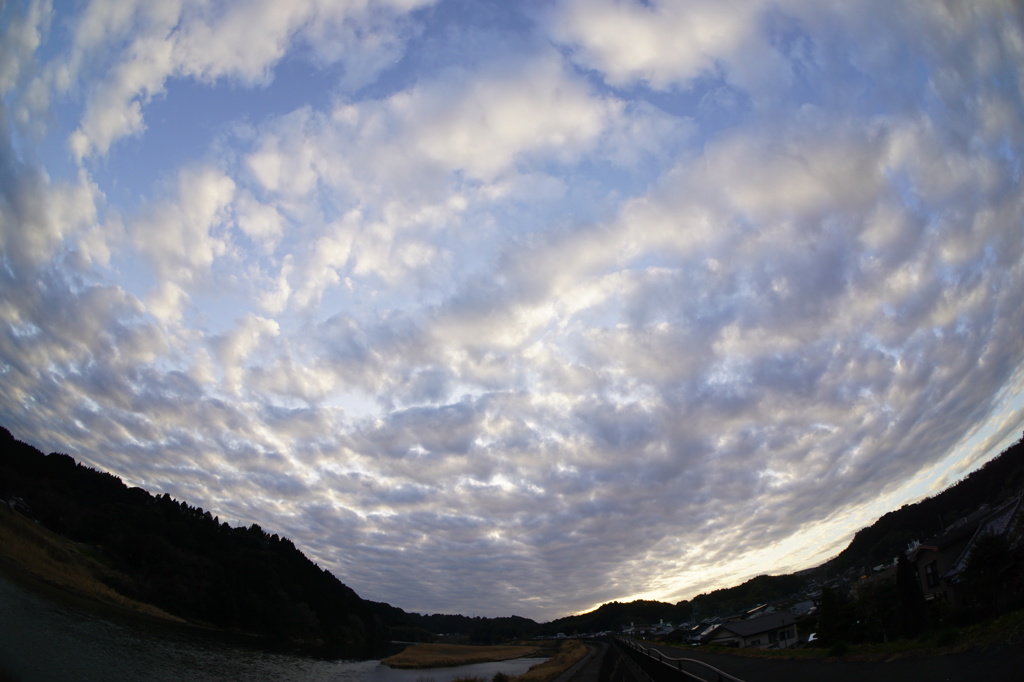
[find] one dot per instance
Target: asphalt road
(588, 669)
(1000, 663)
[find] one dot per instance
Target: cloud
(180, 236)
(234, 348)
(662, 44)
(607, 300)
(37, 215)
(210, 41)
(504, 115)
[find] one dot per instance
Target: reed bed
(451, 655)
(569, 654)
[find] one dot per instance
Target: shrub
(838, 649)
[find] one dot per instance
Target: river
(43, 639)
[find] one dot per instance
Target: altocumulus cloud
(503, 308)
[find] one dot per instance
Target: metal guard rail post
(722, 675)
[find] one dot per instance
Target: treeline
(415, 627)
(764, 589)
(997, 480)
(616, 615)
(183, 559)
(881, 612)
(186, 561)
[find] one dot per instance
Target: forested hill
(997, 480)
(183, 559)
(615, 615)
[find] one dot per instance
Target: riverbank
(560, 656)
(46, 639)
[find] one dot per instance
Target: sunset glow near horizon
(505, 308)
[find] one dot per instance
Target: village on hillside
(972, 570)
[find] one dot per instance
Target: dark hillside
(415, 627)
(183, 559)
(616, 615)
(762, 589)
(994, 482)
(997, 480)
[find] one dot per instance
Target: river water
(43, 639)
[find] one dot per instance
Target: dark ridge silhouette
(887, 538)
(616, 615)
(184, 560)
(997, 480)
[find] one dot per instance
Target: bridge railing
(677, 663)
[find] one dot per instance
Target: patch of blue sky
(450, 36)
(216, 310)
(709, 99)
(591, 193)
(132, 273)
(902, 185)
(188, 120)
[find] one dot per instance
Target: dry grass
(450, 655)
(569, 654)
(61, 563)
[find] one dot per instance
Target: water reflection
(484, 671)
(43, 639)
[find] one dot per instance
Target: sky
(503, 308)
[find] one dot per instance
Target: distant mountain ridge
(879, 543)
(995, 481)
(186, 561)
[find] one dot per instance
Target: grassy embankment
(568, 653)
(31, 554)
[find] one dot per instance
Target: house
(940, 561)
(759, 610)
(886, 574)
(935, 557)
(700, 632)
(662, 628)
(804, 607)
(775, 630)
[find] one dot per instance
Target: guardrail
(677, 663)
